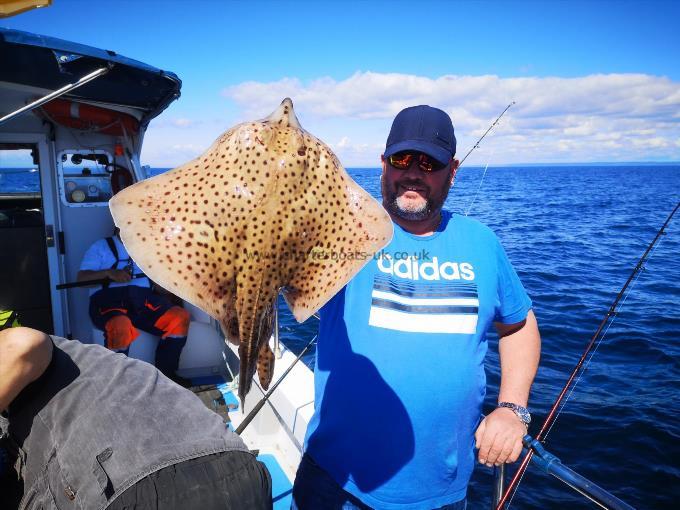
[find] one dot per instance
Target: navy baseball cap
(424, 129)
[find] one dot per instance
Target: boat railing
(551, 465)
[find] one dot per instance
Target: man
(92, 429)
(127, 303)
(399, 375)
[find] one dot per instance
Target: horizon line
(579, 163)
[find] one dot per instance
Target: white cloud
(612, 117)
(183, 122)
(162, 151)
(176, 122)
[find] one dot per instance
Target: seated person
(128, 303)
(85, 428)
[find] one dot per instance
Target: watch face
(521, 412)
(524, 415)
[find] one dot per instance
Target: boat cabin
(61, 160)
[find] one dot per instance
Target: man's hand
(499, 437)
(116, 275)
(119, 275)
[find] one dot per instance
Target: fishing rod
(246, 421)
(476, 145)
(100, 281)
(595, 340)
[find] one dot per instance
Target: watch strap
(521, 412)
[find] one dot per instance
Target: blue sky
(593, 81)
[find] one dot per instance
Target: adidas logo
(411, 268)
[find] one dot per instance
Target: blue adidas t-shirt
(399, 375)
(99, 257)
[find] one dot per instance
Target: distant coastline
(549, 165)
(596, 163)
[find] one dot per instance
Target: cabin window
(19, 172)
(85, 178)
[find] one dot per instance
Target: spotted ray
(267, 207)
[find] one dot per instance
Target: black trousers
(226, 481)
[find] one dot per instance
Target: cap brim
(431, 149)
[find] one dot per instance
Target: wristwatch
(521, 412)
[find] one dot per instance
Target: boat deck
(217, 396)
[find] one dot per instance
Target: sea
(574, 234)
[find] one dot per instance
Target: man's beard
(395, 204)
(418, 213)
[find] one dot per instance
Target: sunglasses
(403, 160)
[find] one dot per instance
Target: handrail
(553, 466)
(60, 92)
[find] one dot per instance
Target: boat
(78, 135)
(74, 118)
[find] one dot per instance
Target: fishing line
(477, 192)
(604, 334)
(475, 146)
(593, 343)
(601, 340)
